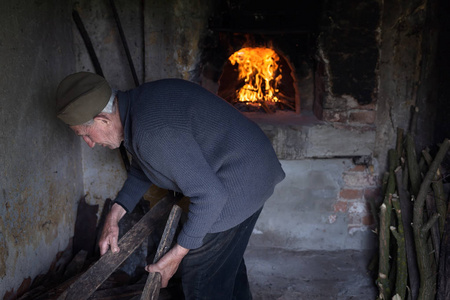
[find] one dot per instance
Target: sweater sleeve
(179, 157)
(133, 189)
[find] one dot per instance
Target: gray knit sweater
(186, 139)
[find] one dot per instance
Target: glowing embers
(253, 80)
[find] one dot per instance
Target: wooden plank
(153, 284)
(123, 292)
(76, 265)
(89, 281)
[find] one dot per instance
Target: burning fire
(259, 69)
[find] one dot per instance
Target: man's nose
(88, 141)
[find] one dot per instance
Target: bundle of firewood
(414, 225)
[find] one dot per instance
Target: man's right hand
(110, 232)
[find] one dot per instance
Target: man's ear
(103, 119)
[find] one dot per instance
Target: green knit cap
(80, 97)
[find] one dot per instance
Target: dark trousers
(216, 270)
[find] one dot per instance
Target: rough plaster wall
(103, 171)
(301, 213)
(97, 17)
(168, 54)
(40, 171)
(400, 68)
(103, 174)
(427, 91)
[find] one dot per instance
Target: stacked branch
(413, 212)
(402, 269)
(421, 230)
(385, 221)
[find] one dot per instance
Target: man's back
(192, 141)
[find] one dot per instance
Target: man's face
(100, 132)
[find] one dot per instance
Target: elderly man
(183, 138)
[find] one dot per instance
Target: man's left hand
(168, 264)
(110, 232)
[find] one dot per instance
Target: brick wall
(361, 186)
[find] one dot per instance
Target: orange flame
(259, 69)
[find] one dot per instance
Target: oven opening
(258, 79)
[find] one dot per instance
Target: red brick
(350, 194)
(353, 103)
(334, 116)
(356, 211)
(370, 106)
(340, 206)
(368, 220)
(358, 168)
(362, 117)
(354, 219)
(359, 179)
(357, 128)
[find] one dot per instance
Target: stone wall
(41, 176)
(173, 30)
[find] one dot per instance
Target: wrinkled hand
(168, 264)
(110, 232)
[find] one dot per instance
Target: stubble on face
(102, 132)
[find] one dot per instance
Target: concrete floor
(322, 275)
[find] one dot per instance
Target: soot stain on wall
(349, 38)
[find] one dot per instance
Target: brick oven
(325, 136)
(332, 86)
(289, 30)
